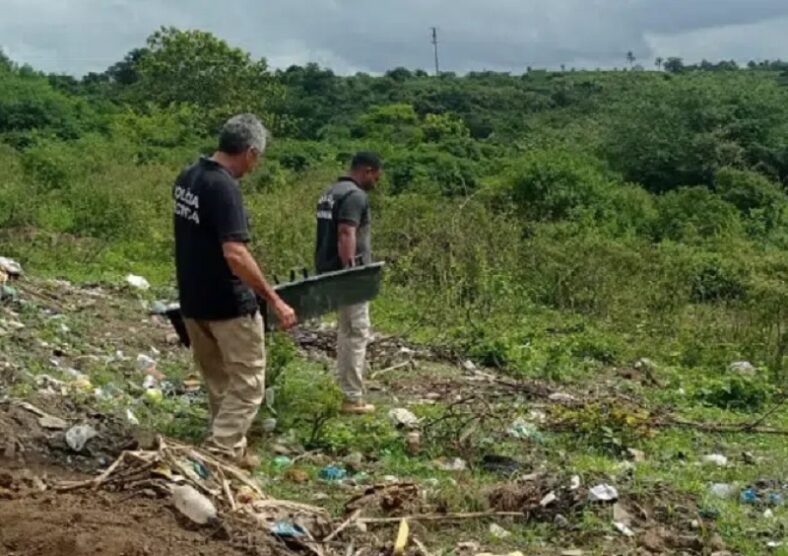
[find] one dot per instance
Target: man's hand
(285, 314)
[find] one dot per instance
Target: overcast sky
(78, 36)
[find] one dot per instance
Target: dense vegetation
(549, 223)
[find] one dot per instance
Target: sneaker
(357, 408)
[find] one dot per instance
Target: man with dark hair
(343, 241)
(217, 281)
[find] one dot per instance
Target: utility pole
(435, 45)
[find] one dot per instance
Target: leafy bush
(736, 392)
(695, 213)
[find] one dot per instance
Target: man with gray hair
(218, 284)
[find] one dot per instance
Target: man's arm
(243, 265)
(346, 244)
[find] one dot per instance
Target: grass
(671, 479)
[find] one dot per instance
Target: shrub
(693, 213)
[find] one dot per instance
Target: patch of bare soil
(98, 523)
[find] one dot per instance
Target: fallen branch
(439, 517)
(347, 523)
(718, 427)
(376, 374)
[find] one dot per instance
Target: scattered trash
(154, 395)
(149, 382)
(494, 463)
(131, 418)
(749, 496)
(413, 443)
(245, 495)
(354, 461)
(456, 464)
(10, 266)
(403, 532)
(715, 459)
(147, 364)
(280, 462)
(573, 552)
(775, 499)
(548, 499)
(561, 521)
(603, 493)
(742, 367)
(287, 529)
(623, 529)
(79, 435)
(636, 455)
(499, 532)
(296, 475)
(137, 282)
(723, 490)
(401, 417)
(269, 425)
(193, 505)
(561, 397)
(467, 548)
(768, 514)
(774, 544)
(200, 469)
(333, 473)
(523, 430)
(469, 365)
(574, 484)
(52, 423)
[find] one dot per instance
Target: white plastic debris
(499, 532)
(10, 266)
(52, 423)
(574, 484)
(403, 418)
(469, 365)
(715, 459)
(149, 382)
(137, 282)
(624, 529)
(768, 514)
(145, 362)
(131, 418)
(562, 397)
(723, 490)
(79, 435)
(193, 505)
(603, 493)
(742, 367)
(456, 464)
(269, 425)
(548, 499)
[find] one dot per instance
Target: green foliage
(696, 213)
(737, 392)
(759, 200)
(195, 67)
(308, 397)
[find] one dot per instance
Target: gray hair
(243, 132)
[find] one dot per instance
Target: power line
(435, 45)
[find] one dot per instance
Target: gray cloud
(374, 35)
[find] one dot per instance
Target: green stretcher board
(310, 296)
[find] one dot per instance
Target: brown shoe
(357, 408)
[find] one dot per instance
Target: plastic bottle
(193, 505)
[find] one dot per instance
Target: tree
(195, 67)
(630, 58)
(674, 65)
(658, 62)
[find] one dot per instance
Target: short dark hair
(366, 158)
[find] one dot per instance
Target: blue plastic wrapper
(333, 473)
(287, 529)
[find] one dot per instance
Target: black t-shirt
(209, 211)
(343, 202)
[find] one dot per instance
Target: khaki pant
(231, 357)
(352, 338)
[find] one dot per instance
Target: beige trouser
(231, 357)
(352, 337)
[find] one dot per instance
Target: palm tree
(658, 62)
(631, 58)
